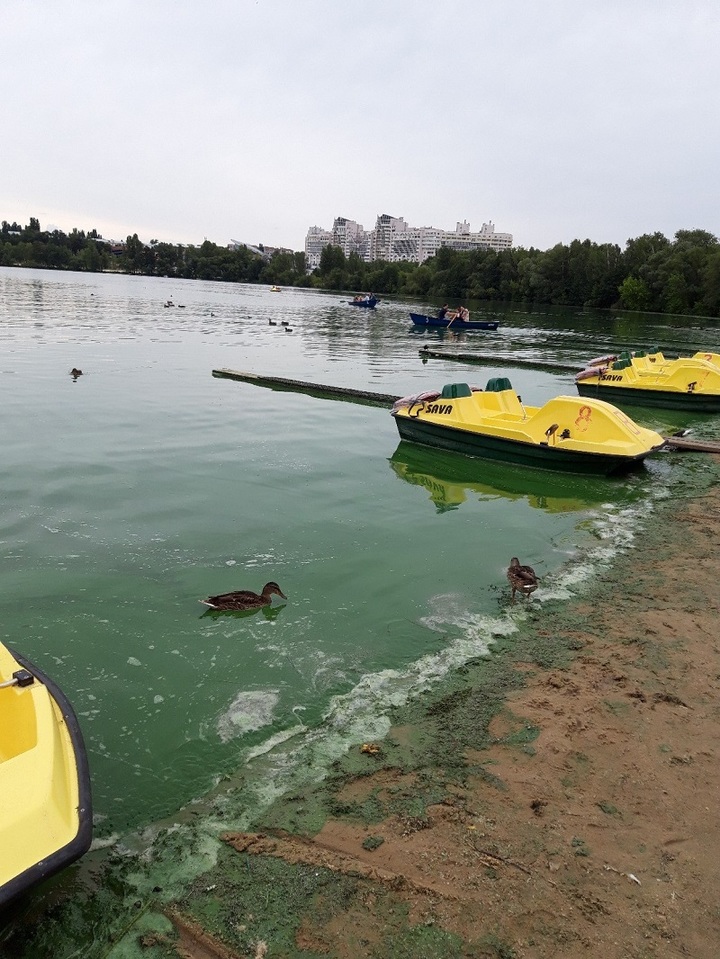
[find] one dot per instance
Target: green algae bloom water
(146, 484)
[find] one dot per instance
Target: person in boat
(442, 312)
(459, 316)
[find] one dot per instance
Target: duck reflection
(268, 612)
(450, 478)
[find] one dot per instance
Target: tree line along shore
(652, 274)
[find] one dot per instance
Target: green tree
(138, 258)
(677, 294)
(90, 258)
(638, 251)
(331, 258)
(696, 238)
(634, 294)
(710, 303)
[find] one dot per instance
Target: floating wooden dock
(487, 360)
(312, 389)
(349, 395)
(695, 446)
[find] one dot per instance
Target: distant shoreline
(653, 274)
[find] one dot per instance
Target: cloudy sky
(254, 119)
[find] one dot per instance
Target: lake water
(148, 484)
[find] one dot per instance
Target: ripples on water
(147, 484)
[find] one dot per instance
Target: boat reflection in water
(451, 478)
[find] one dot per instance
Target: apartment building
(316, 240)
(394, 241)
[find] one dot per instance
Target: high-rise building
(317, 238)
(350, 237)
(394, 241)
(383, 239)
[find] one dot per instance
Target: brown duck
(523, 579)
(244, 598)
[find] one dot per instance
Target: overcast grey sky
(254, 119)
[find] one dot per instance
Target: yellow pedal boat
(567, 434)
(689, 383)
(45, 803)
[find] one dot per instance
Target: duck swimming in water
(244, 598)
(522, 578)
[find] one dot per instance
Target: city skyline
(393, 240)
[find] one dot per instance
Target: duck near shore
(522, 579)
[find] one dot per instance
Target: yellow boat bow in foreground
(45, 803)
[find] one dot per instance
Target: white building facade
(350, 237)
(394, 241)
(316, 240)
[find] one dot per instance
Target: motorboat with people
(45, 800)
(567, 433)
(690, 383)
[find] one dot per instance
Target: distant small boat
(369, 302)
(275, 289)
(443, 322)
(45, 802)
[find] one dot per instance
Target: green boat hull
(539, 456)
(655, 399)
